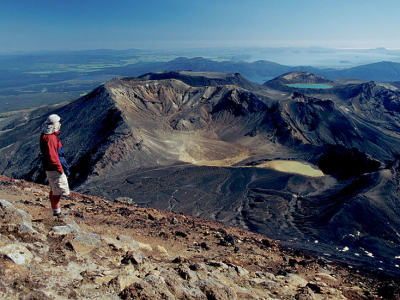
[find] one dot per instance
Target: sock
(57, 211)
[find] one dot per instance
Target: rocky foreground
(115, 250)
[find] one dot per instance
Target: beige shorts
(58, 183)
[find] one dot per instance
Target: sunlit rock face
(302, 166)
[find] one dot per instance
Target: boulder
(326, 278)
(186, 273)
(151, 287)
(145, 247)
(84, 244)
(216, 290)
(18, 254)
(128, 243)
(125, 200)
(64, 230)
(133, 257)
(161, 250)
(241, 271)
(305, 294)
(120, 282)
(295, 280)
(11, 215)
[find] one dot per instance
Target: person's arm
(53, 158)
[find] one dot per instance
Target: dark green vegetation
(42, 78)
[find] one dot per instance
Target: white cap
(53, 119)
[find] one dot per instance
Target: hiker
(54, 162)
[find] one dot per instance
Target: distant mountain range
(379, 72)
(19, 70)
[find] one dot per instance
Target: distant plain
(34, 79)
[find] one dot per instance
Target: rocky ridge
(116, 250)
(198, 79)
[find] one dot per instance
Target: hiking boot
(59, 217)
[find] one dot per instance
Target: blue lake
(310, 86)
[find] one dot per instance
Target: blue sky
(27, 25)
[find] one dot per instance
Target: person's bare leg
(55, 203)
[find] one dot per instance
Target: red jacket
(49, 145)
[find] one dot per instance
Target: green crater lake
(310, 86)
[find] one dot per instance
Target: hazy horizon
(291, 56)
(156, 24)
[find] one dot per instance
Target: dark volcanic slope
(206, 150)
